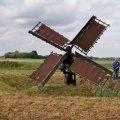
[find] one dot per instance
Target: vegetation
(26, 66)
(34, 55)
(33, 107)
(20, 97)
(17, 54)
(20, 64)
(101, 58)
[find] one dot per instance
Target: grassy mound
(19, 80)
(5, 88)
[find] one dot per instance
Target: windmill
(72, 64)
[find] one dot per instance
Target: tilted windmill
(72, 64)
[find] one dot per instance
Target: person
(69, 59)
(115, 68)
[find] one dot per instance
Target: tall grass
(104, 92)
(15, 75)
(5, 64)
(20, 65)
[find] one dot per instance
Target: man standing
(115, 68)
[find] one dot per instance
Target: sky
(67, 17)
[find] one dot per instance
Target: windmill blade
(94, 63)
(89, 34)
(49, 35)
(87, 70)
(46, 70)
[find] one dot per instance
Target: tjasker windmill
(71, 64)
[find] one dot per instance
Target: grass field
(20, 98)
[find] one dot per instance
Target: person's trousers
(115, 74)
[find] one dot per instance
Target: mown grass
(44, 107)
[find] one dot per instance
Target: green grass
(23, 60)
(105, 63)
(20, 81)
(31, 64)
(5, 88)
(20, 64)
(17, 77)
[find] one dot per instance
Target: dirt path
(34, 107)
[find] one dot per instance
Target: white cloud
(65, 16)
(25, 20)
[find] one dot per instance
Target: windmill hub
(68, 49)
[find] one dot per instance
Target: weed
(103, 92)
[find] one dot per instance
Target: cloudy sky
(67, 17)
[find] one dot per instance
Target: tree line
(18, 54)
(101, 58)
(34, 55)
